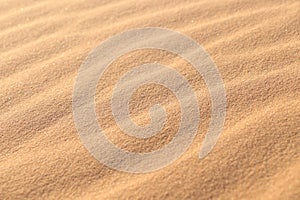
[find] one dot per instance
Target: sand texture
(254, 43)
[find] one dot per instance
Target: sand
(255, 45)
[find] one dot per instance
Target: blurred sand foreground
(255, 45)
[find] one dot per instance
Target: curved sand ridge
(255, 45)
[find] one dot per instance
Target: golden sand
(255, 45)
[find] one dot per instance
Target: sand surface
(255, 45)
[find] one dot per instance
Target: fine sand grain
(255, 45)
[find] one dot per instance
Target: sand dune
(255, 45)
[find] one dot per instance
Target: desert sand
(255, 45)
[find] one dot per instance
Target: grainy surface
(255, 45)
